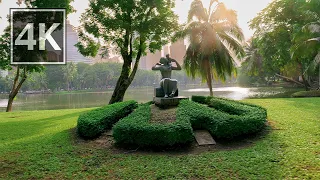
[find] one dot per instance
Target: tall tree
(278, 29)
(22, 71)
(252, 62)
(133, 26)
(215, 41)
(69, 73)
(307, 40)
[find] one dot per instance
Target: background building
(176, 50)
(72, 52)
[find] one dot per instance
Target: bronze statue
(168, 85)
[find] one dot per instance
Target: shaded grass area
(274, 92)
(314, 93)
(40, 144)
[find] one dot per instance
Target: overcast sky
(246, 9)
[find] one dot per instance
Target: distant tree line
(83, 76)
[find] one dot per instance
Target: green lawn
(38, 144)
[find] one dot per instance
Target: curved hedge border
(225, 118)
(95, 122)
(136, 129)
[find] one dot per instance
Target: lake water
(25, 102)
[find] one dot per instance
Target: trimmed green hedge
(315, 93)
(225, 118)
(136, 129)
(95, 122)
(199, 99)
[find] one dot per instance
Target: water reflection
(95, 99)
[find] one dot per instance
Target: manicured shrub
(95, 122)
(315, 93)
(223, 118)
(136, 129)
(226, 118)
(199, 99)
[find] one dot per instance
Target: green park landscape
(233, 107)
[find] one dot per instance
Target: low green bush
(315, 93)
(95, 122)
(226, 118)
(136, 129)
(199, 99)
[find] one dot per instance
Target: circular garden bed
(132, 125)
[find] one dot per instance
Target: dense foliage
(285, 43)
(136, 129)
(95, 122)
(133, 27)
(83, 76)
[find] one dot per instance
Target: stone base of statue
(159, 92)
(168, 102)
(160, 101)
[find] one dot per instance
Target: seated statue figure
(168, 85)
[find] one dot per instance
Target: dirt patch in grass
(159, 115)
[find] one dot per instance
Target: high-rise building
(73, 55)
(166, 50)
(148, 61)
(178, 51)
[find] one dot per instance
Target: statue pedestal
(158, 92)
(168, 102)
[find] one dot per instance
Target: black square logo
(38, 36)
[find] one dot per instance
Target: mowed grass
(40, 144)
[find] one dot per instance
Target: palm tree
(215, 40)
(252, 62)
(308, 39)
(69, 73)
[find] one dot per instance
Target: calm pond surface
(72, 100)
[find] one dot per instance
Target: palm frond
(198, 11)
(233, 43)
(221, 13)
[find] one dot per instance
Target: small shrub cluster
(95, 122)
(136, 129)
(315, 93)
(225, 118)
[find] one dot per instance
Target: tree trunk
(289, 79)
(9, 106)
(209, 77)
(122, 84)
(305, 81)
(126, 77)
(16, 88)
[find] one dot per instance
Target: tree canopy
(281, 28)
(134, 27)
